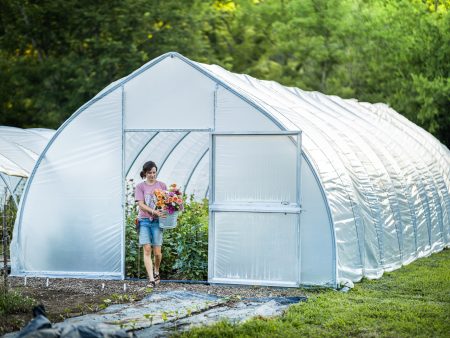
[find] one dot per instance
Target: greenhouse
(303, 188)
(20, 148)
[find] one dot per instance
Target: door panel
(255, 208)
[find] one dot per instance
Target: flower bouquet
(171, 202)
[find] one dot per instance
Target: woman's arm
(152, 212)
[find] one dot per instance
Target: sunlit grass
(413, 301)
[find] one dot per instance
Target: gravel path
(69, 297)
(97, 287)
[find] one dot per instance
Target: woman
(150, 234)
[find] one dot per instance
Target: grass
(413, 301)
(12, 302)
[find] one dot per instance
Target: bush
(134, 264)
(185, 248)
(8, 212)
(12, 302)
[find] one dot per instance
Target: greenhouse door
(255, 208)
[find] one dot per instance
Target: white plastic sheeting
(19, 150)
(374, 187)
(348, 147)
(256, 248)
(32, 140)
(255, 203)
(145, 108)
(71, 220)
(15, 160)
(255, 168)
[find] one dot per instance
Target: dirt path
(64, 298)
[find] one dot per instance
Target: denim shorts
(150, 232)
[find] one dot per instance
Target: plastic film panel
(255, 168)
(423, 203)
(10, 168)
(437, 161)
(171, 88)
(44, 132)
(256, 247)
(199, 180)
(251, 95)
(316, 234)
(71, 220)
(182, 160)
(135, 142)
(358, 168)
(32, 141)
(386, 215)
(157, 150)
(403, 203)
(232, 113)
(14, 160)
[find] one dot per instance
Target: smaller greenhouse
(303, 188)
(20, 149)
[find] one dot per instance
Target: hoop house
(304, 188)
(20, 148)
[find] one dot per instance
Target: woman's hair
(147, 167)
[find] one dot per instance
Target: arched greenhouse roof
(374, 187)
(20, 148)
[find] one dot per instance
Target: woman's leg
(148, 261)
(157, 240)
(158, 257)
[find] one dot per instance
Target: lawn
(413, 301)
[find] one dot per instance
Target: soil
(67, 297)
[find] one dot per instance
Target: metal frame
(124, 209)
(163, 130)
(65, 274)
(140, 152)
(211, 232)
(9, 188)
(252, 207)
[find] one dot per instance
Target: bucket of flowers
(171, 202)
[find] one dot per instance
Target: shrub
(185, 248)
(8, 213)
(12, 302)
(134, 264)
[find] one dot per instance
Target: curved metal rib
(139, 153)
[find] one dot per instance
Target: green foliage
(411, 302)
(185, 248)
(134, 263)
(8, 211)
(12, 302)
(116, 298)
(55, 55)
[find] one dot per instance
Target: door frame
(292, 208)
